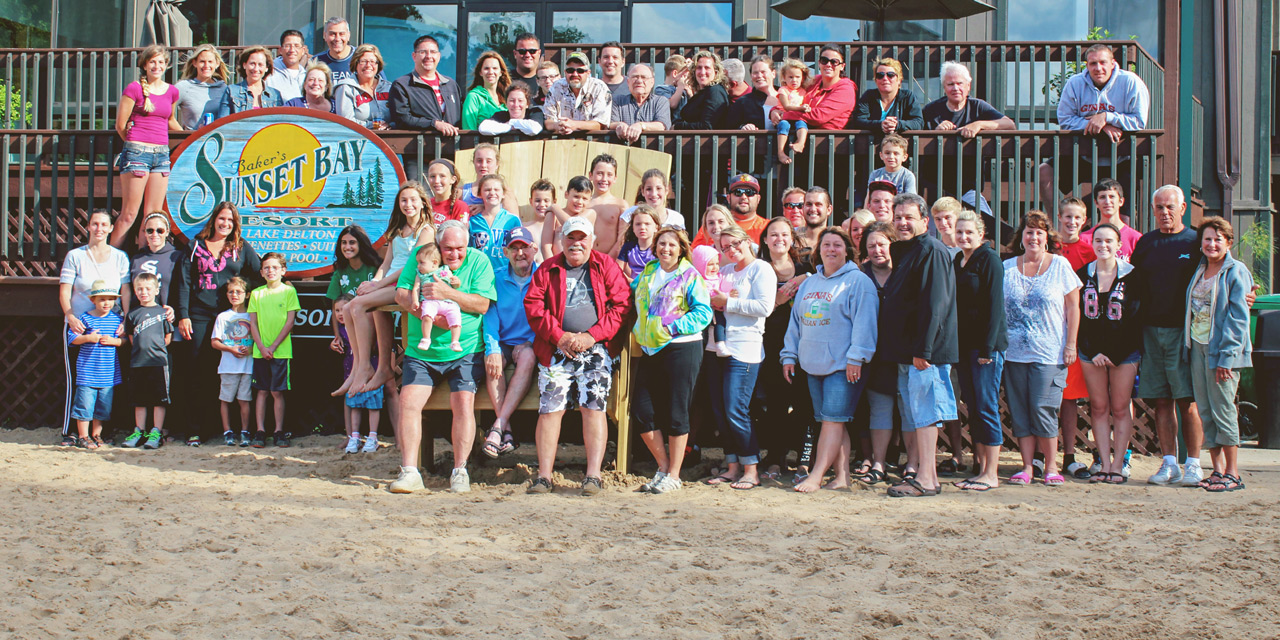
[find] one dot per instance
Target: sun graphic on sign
(277, 144)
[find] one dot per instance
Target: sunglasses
(881, 75)
(526, 52)
(830, 61)
(743, 192)
(573, 71)
(793, 205)
(158, 232)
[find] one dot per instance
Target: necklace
(1039, 267)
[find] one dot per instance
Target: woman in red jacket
(830, 100)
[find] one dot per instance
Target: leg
(361, 332)
(385, 334)
(521, 380)
(739, 383)
(133, 184)
(784, 129)
(496, 385)
(157, 417)
(153, 198)
(277, 398)
(1027, 450)
(349, 418)
(927, 449)
(262, 409)
(391, 402)
(244, 415)
(1192, 428)
(427, 322)
(1099, 381)
(82, 428)
(829, 441)
(97, 428)
(455, 334)
(375, 417)
(140, 418)
(658, 448)
(547, 440)
(595, 436)
(802, 135)
(1121, 391)
(462, 403)
(1069, 425)
(1047, 196)
(412, 399)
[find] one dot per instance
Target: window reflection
(681, 22)
(1124, 19)
(393, 28)
(820, 29)
(26, 24)
(494, 31)
(586, 26)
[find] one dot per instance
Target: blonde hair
(189, 65)
(792, 63)
(863, 216)
(947, 204)
(144, 57)
(328, 76)
(715, 63)
(675, 63)
(892, 63)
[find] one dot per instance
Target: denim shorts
(925, 398)
(1133, 358)
(834, 397)
(141, 159)
(92, 403)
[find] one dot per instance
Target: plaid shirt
(594, 102)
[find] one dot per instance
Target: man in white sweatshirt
(290, 66)
(1103, 100)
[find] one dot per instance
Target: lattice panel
(34, 383)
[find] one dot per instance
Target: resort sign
(297, 176)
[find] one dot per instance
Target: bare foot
(346, 385)
(837, 484)
(809, 485)
(380, 377)
(783, 158)
(798, 146)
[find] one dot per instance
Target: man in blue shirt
(508, 338)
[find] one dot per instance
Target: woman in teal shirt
(484, 97)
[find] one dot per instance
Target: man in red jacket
(576, 305)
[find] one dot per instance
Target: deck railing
(52, 178)
(78, 88)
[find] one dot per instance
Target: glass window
(820, 29)
(213, 21)
(586, 26)
(1048, 20)
(493, 31)
(681, 22)
(25, 23)
(393, 28)
(92, 23)
(1125, 19)
(265, 21)
(1029, 92)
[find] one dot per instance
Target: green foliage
(1053, 88)
(568, 34)
(1257, 240)
(17, 111)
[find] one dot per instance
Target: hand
(1069, 355)
(1113, 132)
(438, 290)
(583, 341)
(775, 116)
(853, 373)
(1252, 296)
(1101, 360)
(946, 125)
(445, 128)
(565, 344)
(1223, 374)
(984, 360)
(1096, 122)
(889, 124)
(365, 287)
(750, 127)
(788, 372)
(441, 322)
(805, 108)
(920, 364)
(336, 344)
(454, 281)
(718, 300)
(475, 209)
(110, 342)
(168, 313)
(243, 351)
(184, 328)
(77, 327)
(267, 352)
(119, 329)
(493, 366)
(94, 338)
(970, 130)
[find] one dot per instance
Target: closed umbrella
(164, 24)
(882, 10)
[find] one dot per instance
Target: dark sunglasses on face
(569, 71)
(158, 232)
(743, 193)
(830, 61)
(881, 75)
(526, 52)
(793, 205)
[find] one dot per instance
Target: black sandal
(872, 477)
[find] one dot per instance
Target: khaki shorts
(1162, 373)
(235, 386)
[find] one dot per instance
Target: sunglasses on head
(881, 75)
(830, 61)
(526, 52)
(743, 192)
(569, 71)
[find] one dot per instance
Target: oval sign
(298, 176)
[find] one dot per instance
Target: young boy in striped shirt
(97, 368)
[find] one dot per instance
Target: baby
(795, 80)
(430, 270)
(707, 261)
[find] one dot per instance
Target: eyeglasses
(549, 76)
(292, 46)
(881, 75)
(830, 61)
(735, 243)
(527, 52)
(423, 52)
(743, 192)
(157, 232)
(573, 71)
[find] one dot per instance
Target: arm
(284, 331)
(992, 278)
(257, 338)
(64, 299)
(1134, 115)
(548, 232)
(763, 288)
(401, 112)
(1072, 308)
(909, 182)
(491, 127)
(937, 284)
(345, 106)
(790, 101)
(471, 106)
(492, 329)
(862, 114)
(864, 317)
(912, 118)
(1069, 107)
(1235, 323)
(714, 103)
(616, 304)
(546, 326)
(699, 314)
(225, 105)
(124, 111)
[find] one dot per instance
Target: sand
(307, 543)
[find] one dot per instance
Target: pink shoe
(1020, 478)
(455, 345)
(1054, 480)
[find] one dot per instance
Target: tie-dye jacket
(681, 307)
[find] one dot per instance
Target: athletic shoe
(193, 441)
(370, 444)
(134, 438)
(1168, 474)
(1127, 469)
(408, 482)
(353, 444)
(282, 439)
(259, 439)
(244, 439)
(540, 485)
(154, 440)
(230, 438)
(1192, 476)
(648, 486)
(460, 480)
(591, 485)
(668, 484)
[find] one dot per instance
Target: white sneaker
(1095, 468)
(370, 444)
(648, 486)
(667, 485)
(1127, 469)
(460, 480)
(1192, 476)
(1167, 475)
(353, 444)
(408, 482)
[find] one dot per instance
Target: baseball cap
(520, 234)
(577, 224)
(882, 185)
(578, 56)
(100, 288)
(744, 181)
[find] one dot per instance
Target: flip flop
(913, 489)
(509, 444)
(719, 480)
(749, 485)
(872, 477)
(973, 485)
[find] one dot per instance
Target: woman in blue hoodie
(832, 334)
(1217, 344)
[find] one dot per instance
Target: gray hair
(912, 199)
(735, 70)
(1169, 188)
(335, 20)
(951, 67)
(640, 65)
(452, 224)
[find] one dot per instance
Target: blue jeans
(925, 398)
(834, 397)
(785, 127)
(980, 388)
(736, 384)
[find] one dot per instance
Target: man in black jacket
(424, 98)
(918, 331)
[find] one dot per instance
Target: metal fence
(78, 88)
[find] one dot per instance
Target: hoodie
(833, 322)
(196, 99)
(285, 80)
(351, 102)
(1124, 98)
(161, 263)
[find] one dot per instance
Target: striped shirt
(97, 365)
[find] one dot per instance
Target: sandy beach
(307, 543)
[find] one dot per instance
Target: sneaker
(154, 440)
(230, 438)
(1126, 470)
(1167, 475)
(667, 485)
(1192, 476)
(282, 439)
(1079, 471)
(460, 480)
(408, 482)
(353, 444)
(244, 439)
(540, 485)
(591, 485)
(193, 441)
(134, 438)
(648, 486)
(370, 444)
(259, 439)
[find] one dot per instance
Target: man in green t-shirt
(424, 370)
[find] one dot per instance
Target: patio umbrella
(881, 11)
(164, 24)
